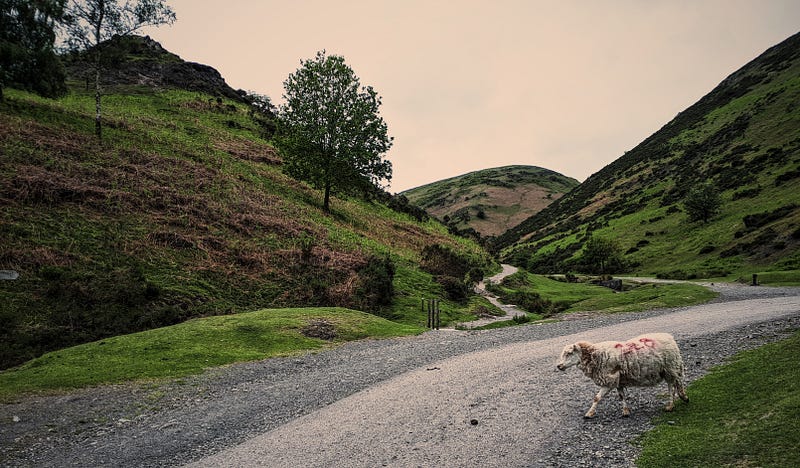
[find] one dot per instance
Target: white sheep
(643, 361)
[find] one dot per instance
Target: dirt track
(427, 417)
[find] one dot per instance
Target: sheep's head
(570, 356)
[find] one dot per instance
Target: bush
(455, 288)
(707, 249)
(761, 219)
(375, 287)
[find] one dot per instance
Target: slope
(491, 201)
(743, 138)
(182, 211)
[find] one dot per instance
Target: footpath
(510, 310)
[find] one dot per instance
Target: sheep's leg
(680, 390)
(626, 411)
(671, 390)
(591, 413)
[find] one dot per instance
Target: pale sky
(567, 85)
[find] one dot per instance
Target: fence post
(431, 307)
(425, 309)
(755, 279)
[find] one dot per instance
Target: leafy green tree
(27, 38)
(702, 203)
(602, 255)
(89, 23)
(330, 132)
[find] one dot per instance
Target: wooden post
(755, 279)
(431, 307)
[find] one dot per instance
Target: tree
(27, 38)
(702, 203)
(89, 23)
(330, 133)
(602, 255)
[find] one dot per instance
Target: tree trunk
(98, 129)
(326, 203)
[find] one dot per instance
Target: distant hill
(743, 138)
(183, 211)
(491, 201)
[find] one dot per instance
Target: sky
(466, 85)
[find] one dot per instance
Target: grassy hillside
(743, 138)
(491, 201)
(182, 212)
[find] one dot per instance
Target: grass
(191, 347)
(580, 297)
(776, 278)
(741, 414)
(646, 297)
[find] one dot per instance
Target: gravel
(178, 422)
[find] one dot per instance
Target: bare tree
(88, 23)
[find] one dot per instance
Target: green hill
(183, 211)
(743, 138)
(491, 201)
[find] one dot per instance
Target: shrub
(455, 288)
(707, 249)
(375, 287)
(760, 219)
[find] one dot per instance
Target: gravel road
(446, 398)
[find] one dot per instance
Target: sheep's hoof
(587, 416)
(626, 415)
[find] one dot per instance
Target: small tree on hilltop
(27, 38)
(330, 133)
(702, 203)
(89, 23)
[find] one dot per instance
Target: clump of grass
(742, 414)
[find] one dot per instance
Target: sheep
(643, 361)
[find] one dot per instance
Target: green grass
(580, 297)
(742, 414)
(776, 278)
(191, 347)
(647, 297)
